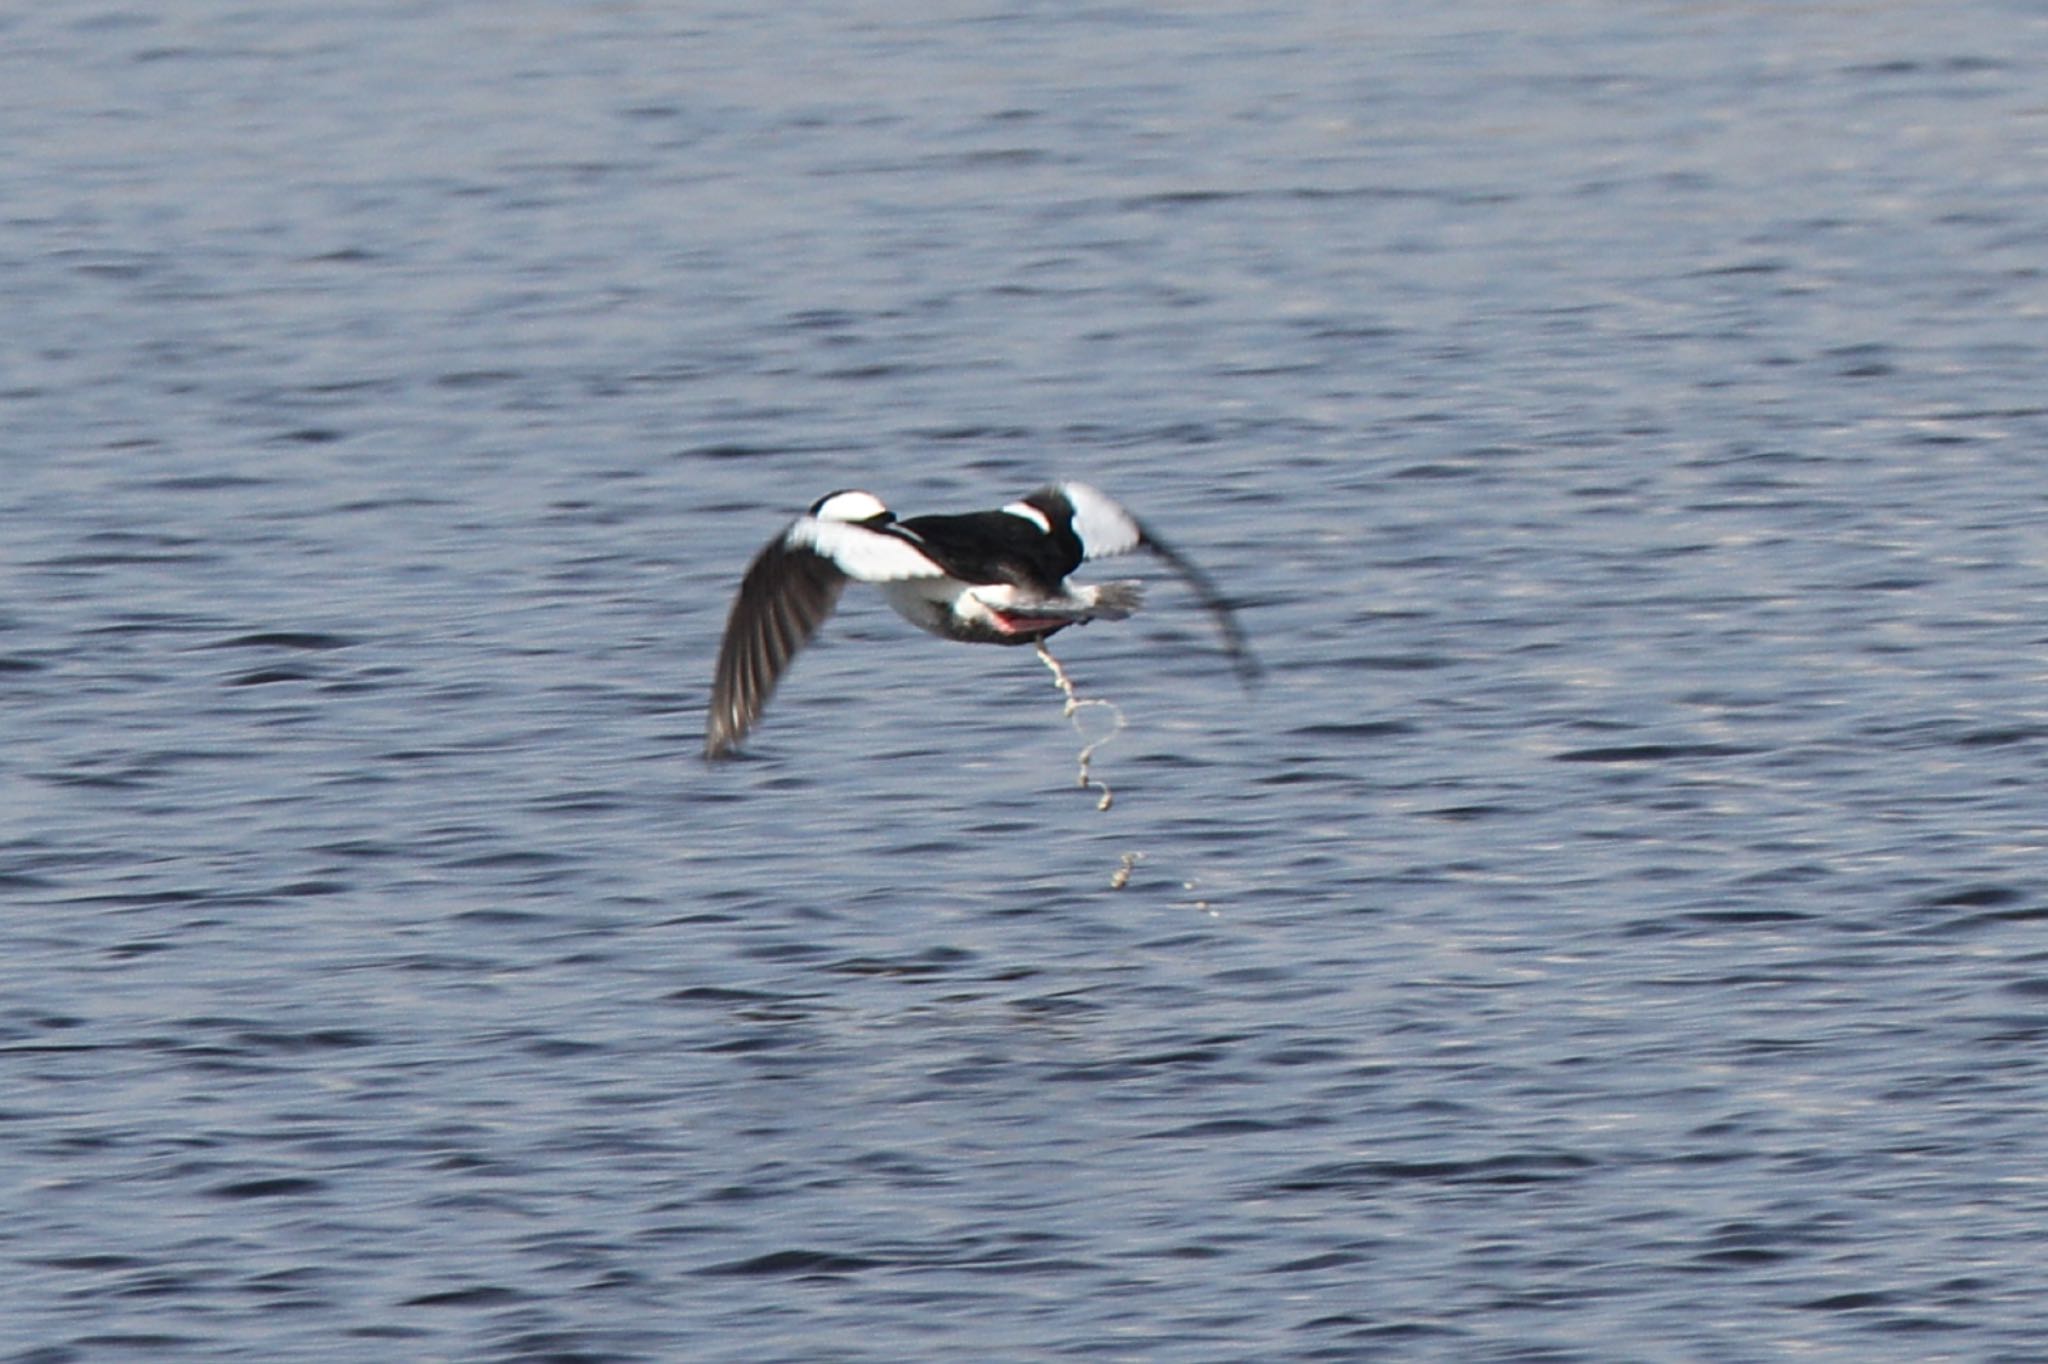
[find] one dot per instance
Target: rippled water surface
(1614, 932)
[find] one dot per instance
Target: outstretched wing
(1103, 528)
(789, 591)
(1219, 607)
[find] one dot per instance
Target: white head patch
(850, 506)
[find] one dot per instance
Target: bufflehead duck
(988, 577)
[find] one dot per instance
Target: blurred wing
(1218, 605)
(1102, 526)
(789, 591)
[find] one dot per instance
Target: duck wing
(789, 591)
(1220, 610)
(1101, 527)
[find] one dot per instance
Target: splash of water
(1076, 704)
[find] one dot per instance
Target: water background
(1614, 932)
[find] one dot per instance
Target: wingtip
(1251, 674)
(721, 742)
(722, 734)
(1220, 607)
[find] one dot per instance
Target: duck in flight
(987, 577)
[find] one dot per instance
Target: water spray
(1075, 704)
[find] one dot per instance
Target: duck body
(984, 577)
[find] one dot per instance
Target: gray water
(1614, 932)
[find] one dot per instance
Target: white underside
(931, 603)
(925, 602)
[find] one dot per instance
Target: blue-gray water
(1614, 933)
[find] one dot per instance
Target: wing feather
(1218, 605)
(788, 592)
(1104, 527)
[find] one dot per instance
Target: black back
(996, 547)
